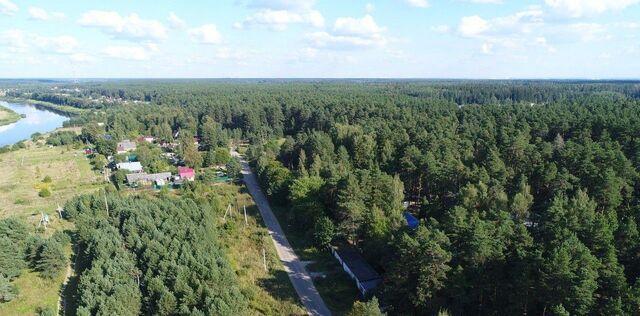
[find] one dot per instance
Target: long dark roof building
(367, 279)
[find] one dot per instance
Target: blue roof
(412, 222)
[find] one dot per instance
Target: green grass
(269, 292)
(337, 290)
(8, 116)
(22, 173)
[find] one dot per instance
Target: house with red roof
(186, 173)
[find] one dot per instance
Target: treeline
(461, 92)
(151, 256)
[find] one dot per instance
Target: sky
(488, 39)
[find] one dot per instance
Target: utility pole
(264, 259)
(106, 204)
(246, 223)
(227, 212)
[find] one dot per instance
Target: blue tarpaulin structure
(412, 222)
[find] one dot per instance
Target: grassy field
(7, 116)
(269, 292)
(337, 290)
(22, 175)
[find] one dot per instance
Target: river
(36, 120)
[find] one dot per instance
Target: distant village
(126, 161)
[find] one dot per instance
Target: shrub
(47, 179)
(45, 311)
(8, 291)
(44, 193)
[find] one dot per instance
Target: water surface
(36, 120)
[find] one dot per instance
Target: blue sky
(321, 38)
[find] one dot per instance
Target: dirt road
(298, 275)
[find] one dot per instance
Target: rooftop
(131, 166)
(134, 177)
(357, 264)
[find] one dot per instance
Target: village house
(125, 146)
(146, 179)
(367, 279)
(134, 167)
(186, 174)
(147, 138)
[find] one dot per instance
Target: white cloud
(8, 8)
(417, 3)
(58, 44)
(357, 26)
(349, 32)
(277, 15)
(176, 22)
(292, 5)
(279, 19)
(205, 34)
(471, 26)
(15, 40)
(131, 27)
(41, 14)
(580, 8)
(514, 32)
(521, 22)
(326, 40)
(18, 41)
(137, 53)
(588, 32)
(369, 7)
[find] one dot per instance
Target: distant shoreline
(60, 109)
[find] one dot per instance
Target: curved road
(298, 275)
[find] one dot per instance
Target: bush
(44, 193)
(62, 138)
(99, 162)
(47, 179)
(36, 136)
(8, 291)
(45, 311)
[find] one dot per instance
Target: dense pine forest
(152, 257)
(526, 191)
